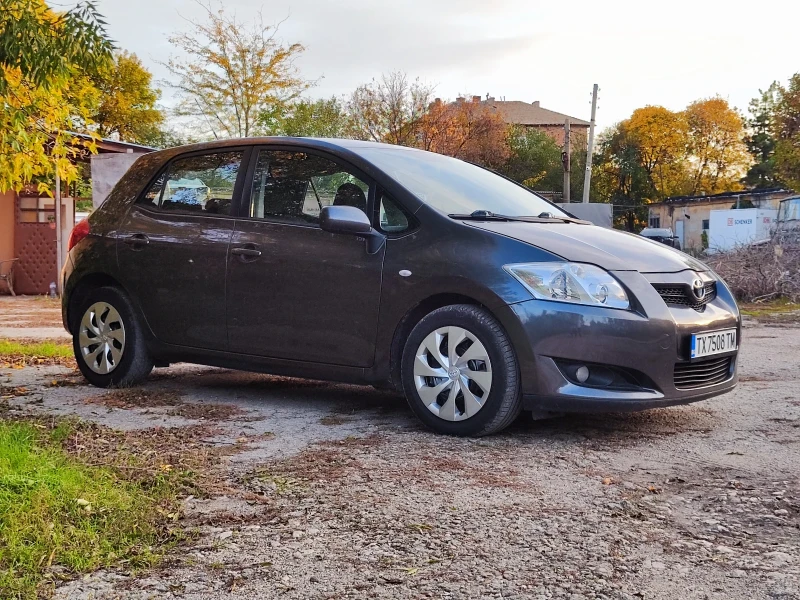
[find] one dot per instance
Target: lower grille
(700, 374)
(682, 295)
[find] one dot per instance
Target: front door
(172, 249)
(295, 291)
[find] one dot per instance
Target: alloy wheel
(452, 373)
(101, 338)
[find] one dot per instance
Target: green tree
(45, 46)
(787, 133)
(534, 160)
(760, 139)
(46, 60)
(325, 118)
(127, 105)
(230, 72)
(619, 177)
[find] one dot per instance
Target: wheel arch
(413, 316)
(82, 287)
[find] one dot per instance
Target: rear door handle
(137, 241)
(249, 252)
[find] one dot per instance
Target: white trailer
(728, 229)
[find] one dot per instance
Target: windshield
(789, 210)
(453, 186)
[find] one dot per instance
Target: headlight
(571, 282)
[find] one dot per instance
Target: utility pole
(587, 178)
(565, 158)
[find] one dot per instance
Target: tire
(119, 360)
(492, 362)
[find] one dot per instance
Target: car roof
(330, 144)
(656, 232)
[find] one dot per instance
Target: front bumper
(649, 340)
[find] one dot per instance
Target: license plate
(713, 342)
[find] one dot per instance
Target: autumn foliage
(657, 153)
(465, 130)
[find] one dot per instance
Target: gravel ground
(341, 493)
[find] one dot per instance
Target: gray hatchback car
(375, 264)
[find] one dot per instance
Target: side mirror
(344, 219)
(351, 220)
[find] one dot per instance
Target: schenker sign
(730, 228)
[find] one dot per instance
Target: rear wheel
(460, 373)
(107, 340)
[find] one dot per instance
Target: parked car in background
(661, 235)
(376, 264)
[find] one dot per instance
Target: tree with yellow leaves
(716, 145)
(662, 141)
(127, 106)
(230, 73)
(46, 59)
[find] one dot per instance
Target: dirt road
(339, 493)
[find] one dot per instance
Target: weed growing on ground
(30, 352)
(60, 516)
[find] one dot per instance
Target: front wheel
(108, 341)
(460, 372)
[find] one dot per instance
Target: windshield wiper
(487, 215)
(481, 215)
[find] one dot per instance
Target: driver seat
(349, 194)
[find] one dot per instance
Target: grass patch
(29, 352)
(774, 312)
(60, 516)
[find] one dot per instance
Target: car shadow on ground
(267, 392)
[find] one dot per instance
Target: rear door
(172, 248)
(295, 291)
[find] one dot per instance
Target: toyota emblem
(699, 288)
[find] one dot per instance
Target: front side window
(391, 217)
(197, 184)
(293, 187)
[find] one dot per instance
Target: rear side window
(293, 187)
(197, 184)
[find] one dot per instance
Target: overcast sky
(668, 52)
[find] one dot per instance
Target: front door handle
(247, 253)
(137, 241)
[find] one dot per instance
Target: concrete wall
(7, 225)
(597, 213)
(107, 170)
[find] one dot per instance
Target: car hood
(607, 248)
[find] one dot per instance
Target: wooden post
(57, 203)
(566, 157)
